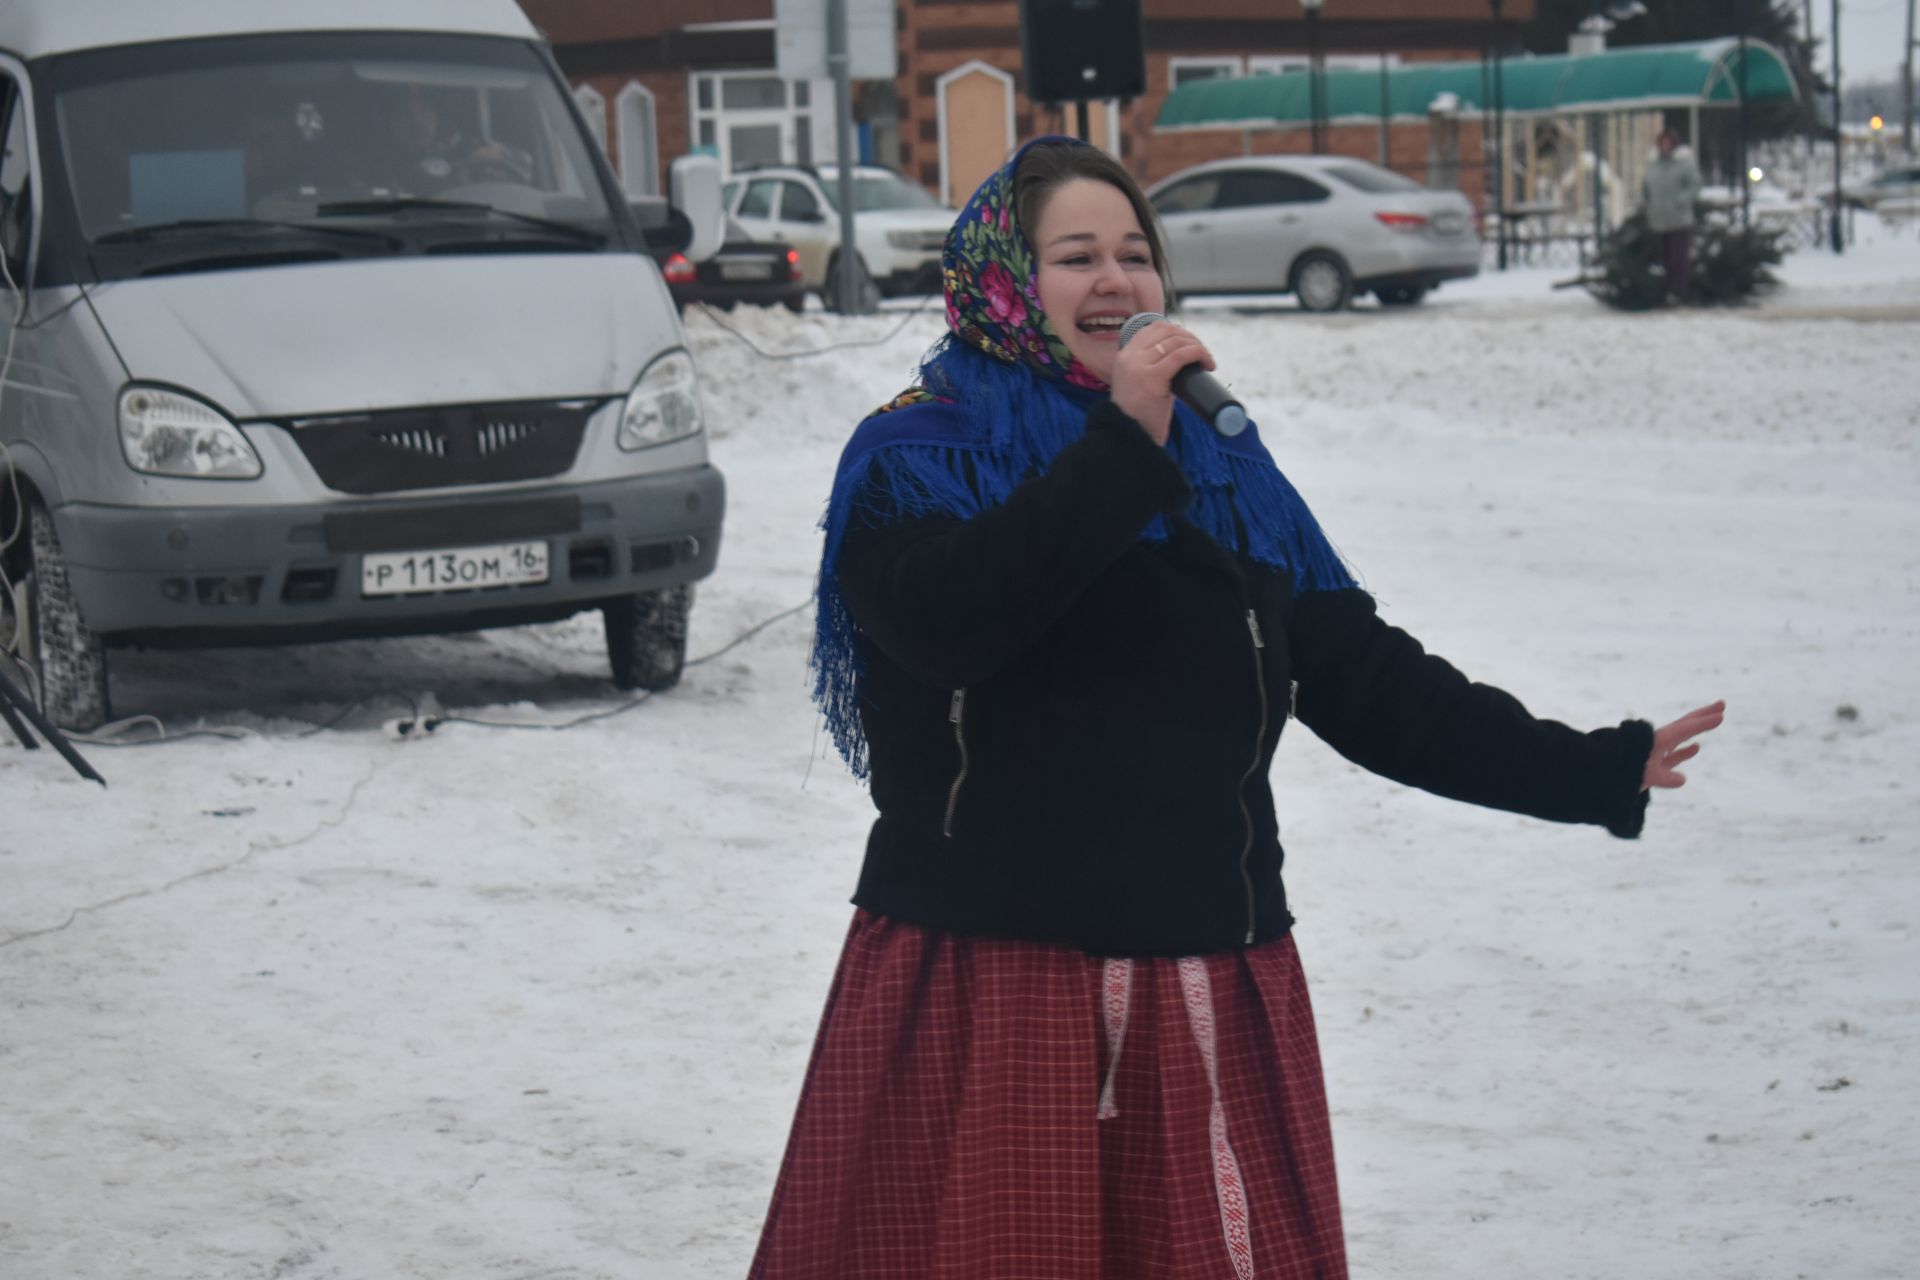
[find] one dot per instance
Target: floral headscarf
(992, 286)
(998, 398)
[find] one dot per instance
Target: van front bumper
(208, 575)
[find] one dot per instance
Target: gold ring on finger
(1161, 347)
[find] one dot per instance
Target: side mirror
(694, 181)
(666, 229)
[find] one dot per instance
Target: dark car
(742, 270)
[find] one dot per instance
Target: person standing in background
(1667, 194)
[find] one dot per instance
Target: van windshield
(321, 144)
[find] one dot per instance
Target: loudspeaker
(1082, 49)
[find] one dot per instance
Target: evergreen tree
(1729, 265)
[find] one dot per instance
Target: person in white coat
(1667, 196)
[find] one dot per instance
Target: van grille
(431, 448)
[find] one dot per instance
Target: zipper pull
(953, 708)
(1293, 699)
(1253, 625)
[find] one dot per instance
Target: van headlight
(663, 405)
(165, 433)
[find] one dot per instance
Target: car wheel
(1322, 282)
(647, 637)
(869, 297)
(1400, 295)
(50, 638)
(796, 305)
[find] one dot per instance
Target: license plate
(745, 271)
(465, 569)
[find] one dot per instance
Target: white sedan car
(1324, 228)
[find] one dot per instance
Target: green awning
(1637, 78)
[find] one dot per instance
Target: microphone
(1199, 390)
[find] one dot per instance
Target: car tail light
(1402, 221)
(793, 265)
(678, 270)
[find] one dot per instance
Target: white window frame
(1270, 64)
(1233, 67)
(636, 126)
(594, 108)
(787, 116)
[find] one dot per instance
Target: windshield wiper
(402, 204)
(200, 226)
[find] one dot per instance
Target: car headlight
(663, 405)
(165, 433)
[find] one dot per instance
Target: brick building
(661, 77)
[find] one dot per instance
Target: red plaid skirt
(979, 1109)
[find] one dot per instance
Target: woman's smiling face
(1095, 268)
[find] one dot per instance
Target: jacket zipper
(1246, 814)
(956, 711)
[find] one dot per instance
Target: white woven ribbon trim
(1229, 1189)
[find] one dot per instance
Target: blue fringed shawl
(993, 425)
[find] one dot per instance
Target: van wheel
(1322, 282)
(647, 637)
(52, 641)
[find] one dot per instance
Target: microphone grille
(1136, 322)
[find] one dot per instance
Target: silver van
(326, 320)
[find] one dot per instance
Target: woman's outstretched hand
(1673, 745)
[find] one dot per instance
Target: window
(754, 117)
(1245, 188)
(1195, 195)
(758, 202)
(799, 204)
(1185, 70)
(1287, 63)
(16, 191)
(277, 128)
(753, 93)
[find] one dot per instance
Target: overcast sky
(1871, 33)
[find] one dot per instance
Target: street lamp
(1316, 86)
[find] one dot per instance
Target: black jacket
(1070, 729)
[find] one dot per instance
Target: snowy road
(303, 1002)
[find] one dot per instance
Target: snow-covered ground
(291, 999)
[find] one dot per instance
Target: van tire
(1322, 281)
(647, 637)
(67, 658)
